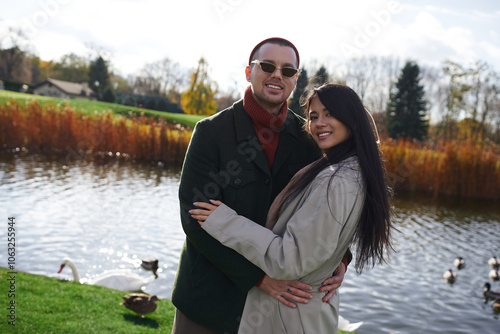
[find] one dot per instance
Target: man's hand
(333, 283)
(287, 292)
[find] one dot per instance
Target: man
(244, 156)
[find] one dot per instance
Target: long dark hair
(373, 233)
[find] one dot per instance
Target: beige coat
(307, 243)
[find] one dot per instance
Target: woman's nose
(320, 122)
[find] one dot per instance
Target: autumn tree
(71, 67)
(199, 98)
(406, 114)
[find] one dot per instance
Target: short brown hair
(274, 40)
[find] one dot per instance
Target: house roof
(72, 88)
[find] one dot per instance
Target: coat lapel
(288, 140)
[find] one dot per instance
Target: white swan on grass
(346, 325)
(114, 279)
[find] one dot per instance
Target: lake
(110, 214)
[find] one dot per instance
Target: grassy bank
(91, 107)
(48, 305)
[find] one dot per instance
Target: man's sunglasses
(270, 68)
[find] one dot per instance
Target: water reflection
(108, 215)
(103, 216)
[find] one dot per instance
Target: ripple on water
(108, 216)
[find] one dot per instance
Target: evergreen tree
(199, 98)
(108, 95)
(294, 102)
(406, 113)
(320, 77)
(99, 77)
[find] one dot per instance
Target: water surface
(108, 215)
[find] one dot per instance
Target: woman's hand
(202, 214)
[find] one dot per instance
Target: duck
(487, 292)
(494, 263)
(114, 279)
(140, 303)
(450, 276)
(459, 263)
(496, 305)
(494, 274)
(149, 264)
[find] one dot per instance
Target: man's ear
(248, 73)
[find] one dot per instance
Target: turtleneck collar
(262, 118)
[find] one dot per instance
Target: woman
(339, 198)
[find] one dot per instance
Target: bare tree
(12, 53)
(161, 78)
(373, 78)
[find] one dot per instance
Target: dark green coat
(225, 161)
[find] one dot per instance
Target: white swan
(346, 325)
(114, 279)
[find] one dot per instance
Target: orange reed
(466, 169)
(64, 131)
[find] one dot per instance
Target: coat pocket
(240, 187)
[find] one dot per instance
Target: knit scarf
(267, 126)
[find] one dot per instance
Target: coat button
(237, 182)
(267, 181)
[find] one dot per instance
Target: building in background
(64, 90)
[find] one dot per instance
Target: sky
(326, 32)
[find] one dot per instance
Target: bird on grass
(487, 292)
(494, 274)
(450, 276)
(140, 303)
(459, 263)
(494, 263)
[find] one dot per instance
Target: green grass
(87, 106)
(48, 305)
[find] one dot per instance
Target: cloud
(492, 50)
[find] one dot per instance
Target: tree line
(407, 100)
